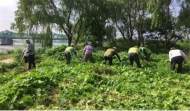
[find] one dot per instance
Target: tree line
(101, 20)
(13, 35)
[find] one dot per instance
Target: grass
(55, 85)
(6, 56)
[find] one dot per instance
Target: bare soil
(8, 60)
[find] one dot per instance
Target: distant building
(6, 37)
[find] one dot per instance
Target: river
(20, 44)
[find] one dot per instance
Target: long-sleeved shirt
(30, 49)
(70, 50)
(88, 49)
(143, 51)
(111, 52)
(175, 53)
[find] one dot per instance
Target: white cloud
(7, 9)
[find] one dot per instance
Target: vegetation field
(94, 86)
(53, 85)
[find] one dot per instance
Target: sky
(7, 9)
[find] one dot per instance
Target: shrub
(184, 45)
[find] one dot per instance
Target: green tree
(184, 14)
(33, 15)
(94, 27)
(162, 18)
(121, 17)
(128, 16)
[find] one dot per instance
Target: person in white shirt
(176, 56)
(25, 55)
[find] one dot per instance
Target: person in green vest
(108, 55)
(68, 53)
(144, 53)
(133, 54)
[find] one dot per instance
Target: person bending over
(68, 53)
(133, 54)
(108, 55)
(177, 56)
(87, 53)
(144, 53)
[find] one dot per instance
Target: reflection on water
(20, 44)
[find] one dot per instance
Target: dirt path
(7, 60)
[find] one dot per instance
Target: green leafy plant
(95, 86)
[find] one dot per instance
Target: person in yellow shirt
(108, 55)
(68, 53)
(133, 54)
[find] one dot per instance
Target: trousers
(177, 60)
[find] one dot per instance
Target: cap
(28, 41)
(115, 48)
(72, 45)
(89, 43)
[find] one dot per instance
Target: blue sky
(7, 8)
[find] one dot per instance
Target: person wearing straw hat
(109, 53)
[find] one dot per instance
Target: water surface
(20, 44)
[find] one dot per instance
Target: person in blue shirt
(31, 54)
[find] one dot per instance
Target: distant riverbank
(20, 44)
